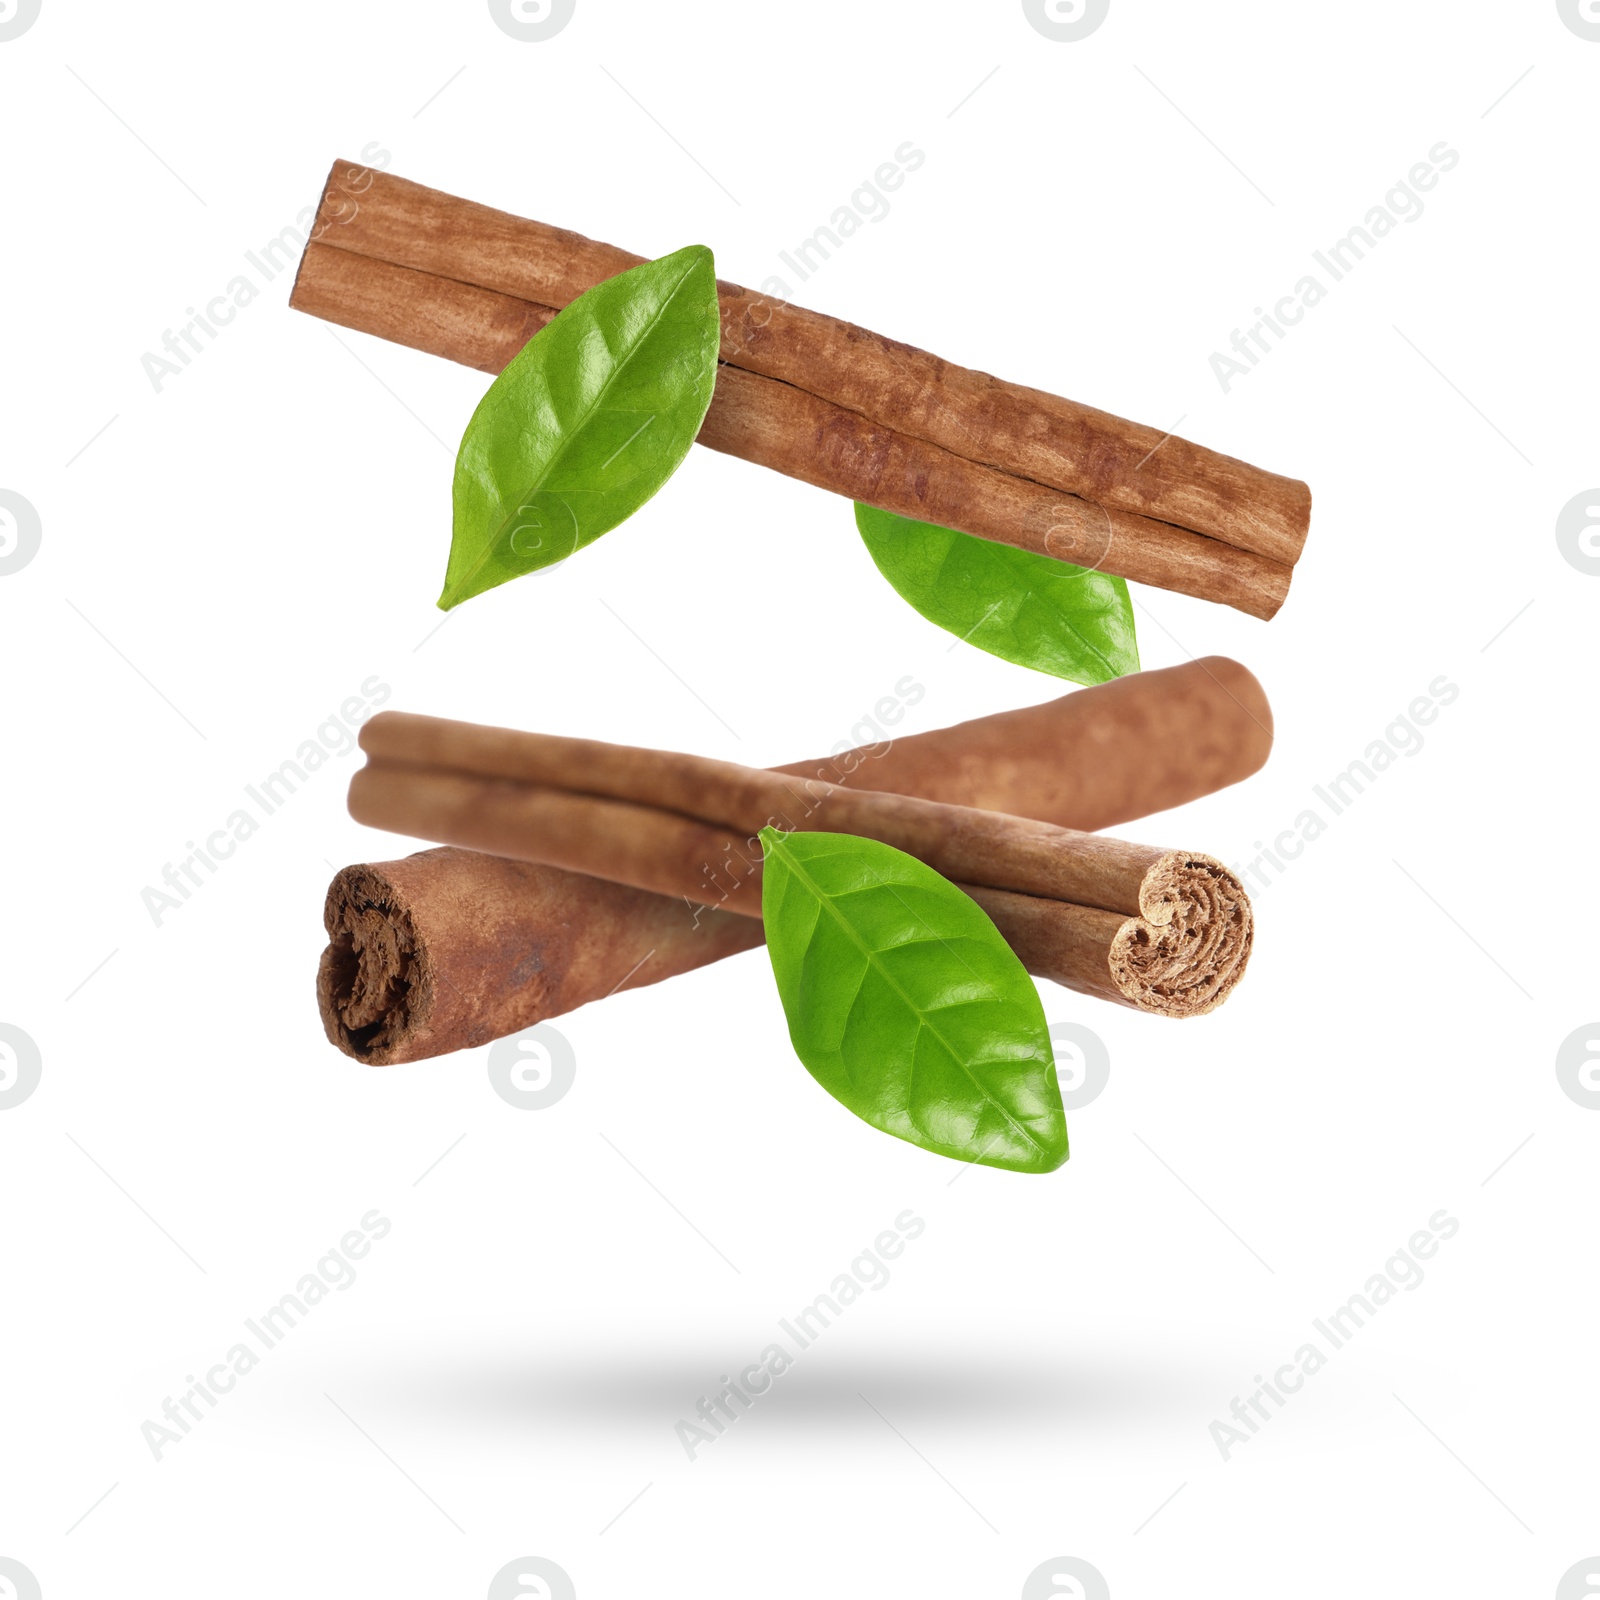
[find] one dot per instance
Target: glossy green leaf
(1030, 609)
(906, 1004)
(590, 418)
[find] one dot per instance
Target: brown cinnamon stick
(1022, 431)
(1173, 940)
(686, 826)
(785, 428)
(448, 949)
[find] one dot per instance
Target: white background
(229, 558)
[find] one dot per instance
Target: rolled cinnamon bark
(790, 430)
(1159, 930)
(448, 949)
(686, 826)
(1022, 431)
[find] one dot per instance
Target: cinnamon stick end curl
(375, 980)
(1186, 951)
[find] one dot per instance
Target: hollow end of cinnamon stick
(1181, 956)
(375, 981)
(1187, 950)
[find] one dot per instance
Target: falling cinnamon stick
(382, 261)
(1175, 941)
(450, 948)
(785, 428)
(1162, 931)
(1026, 432)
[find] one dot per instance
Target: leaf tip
(692, 256)
(770, 836)
(1042, 1159)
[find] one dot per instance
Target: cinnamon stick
(1023, 431)
(1173, 940)
(781, 424)
(448, 949)
(682, 825)
(784, 428)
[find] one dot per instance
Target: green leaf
(906, 1004)
(590, 418)
(1030, 609)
